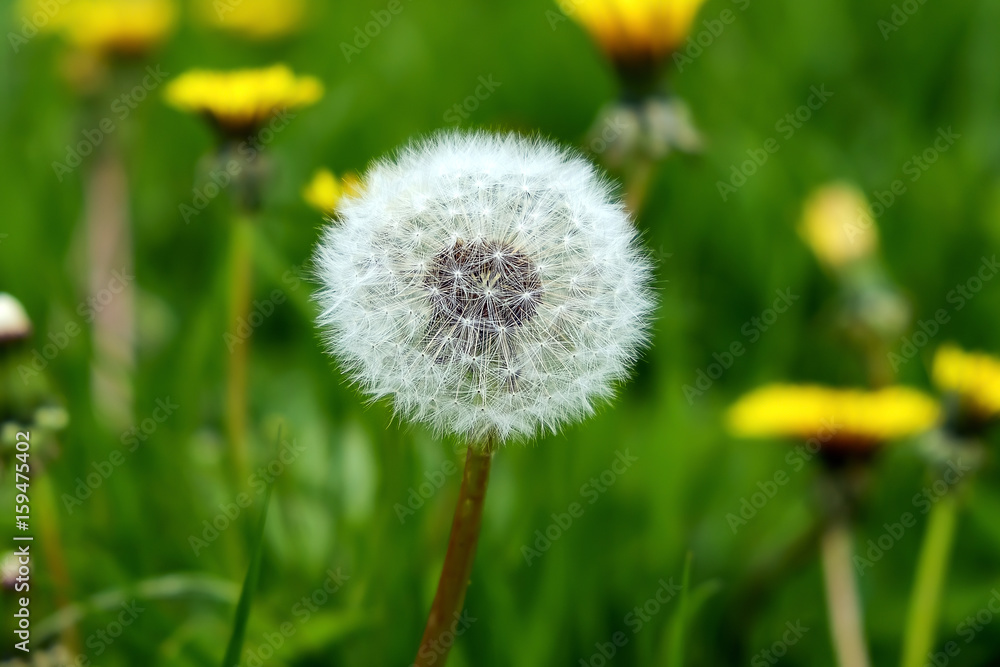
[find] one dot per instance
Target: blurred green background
(334, 505)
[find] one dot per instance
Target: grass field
(146, 509)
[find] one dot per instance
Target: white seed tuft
(489, 284)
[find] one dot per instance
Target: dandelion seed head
(14, 322)
(489, 284)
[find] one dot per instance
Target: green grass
(719, 265)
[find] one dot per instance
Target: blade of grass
(232, 658)
(675, 657)
(932, 572)
(691, 602)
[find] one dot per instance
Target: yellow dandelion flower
(253, 19)
(973, 377)
(118, 27)
(837, 224)
(848, 418)
(635, 32)
(325, 190)
(241, 101)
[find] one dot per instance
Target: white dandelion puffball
(490, 284)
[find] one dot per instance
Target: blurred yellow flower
(240, 101)
(840, 417)
(634, 32)
(254, 19)
(117, 27)
(973, 377)
(40, 15)
(325, 190)
(838, 226)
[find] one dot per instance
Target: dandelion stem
(240, 277)
(932, 565)
(457, 568)
(639, 180)
(843, 601)
(110, 265)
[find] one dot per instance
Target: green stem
(450, 596)
(240, 289)
(639, 181)
(932, 566)
(842, 598)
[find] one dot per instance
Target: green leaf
(690, 602)
(232, 658)
(675, 657)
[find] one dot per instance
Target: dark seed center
(481, 289)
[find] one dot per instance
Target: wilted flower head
(14, 322)
(635, 34)
(838, 225)
(239, 102)
(490, 284)
(117, 27)
(841, 418)
(973, 377)
(325, 190)
(254, 19)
